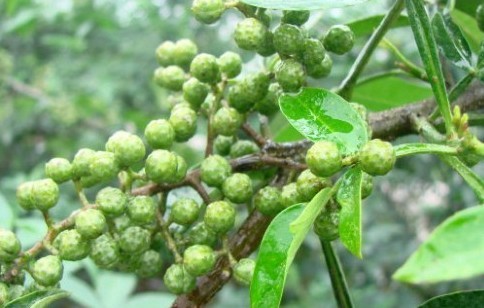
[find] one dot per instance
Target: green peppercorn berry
(480, 17)
(90, 223)
(200, 234)
(322, 69)
(184, 123)
(242, 148)
(219, 216)
(296, 18)
(159, 134)
(184, 211)
(4, 294)
(238, 188)
(214, 170)
(314, 52)
(25, 197)
(366, 185)
(238, 98)
(171, 77)
(290, 75)
(128, 148)
(135, 240)
(208, 11)
(71, 245)
(326, 225)
(195, 92)
(184, 52)
(269, 104)
(205, 68)
(81, 162)
(111, 201)
(308, 185)
(324, 158)
(244, 271)
(9, 246)
(45, 194)
(59, 170)
(47, 271)
(141, 210)
(256, 86)
(339, 39)
(290, 195)
(230, 64)
(165, 53)
(88, 181)
(103, 166)
(181, 169)
(377, 157)
(288, 39)
(177, 280)
(267, 48)
(198, 260)
(222, 144)
(149, 264)
(104, 251)
(268, 201)
(250, 34)
(161, 166)
(227, 121)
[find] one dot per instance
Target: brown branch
(258, 138)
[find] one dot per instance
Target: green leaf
(281, 241)
(472, 179)
(319, 114)
(453, 251)
(366, 26)
(468, 299)
(302, 4)
(37, 299)
(387, 91)
(420, 23)
(283, 131)
(467, 6)
(469, 26)
(349, 197)
(423, 148)
(451, 42)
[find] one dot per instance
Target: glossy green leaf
(283, 131)
(473, 180)
(37, 299)
(424, 37)
(319, 114)
(281, 241)
(451, 42)
(468, 299)
(350, 221)
(423, 148)
(302, 4)
(387, 91)
(467, 6)
(469, 27)
(366, 26)
(453, 251)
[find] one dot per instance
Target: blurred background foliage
(72, 72)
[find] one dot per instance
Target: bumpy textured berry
(339, 39)
(326, 225)
(308, 185)
(244, 271)
(184, 52)
(161, 166)
(227, 121)
(250, 34)
(200, 234)
(195, 92)
(290, 195)
(267, 48)
(208, 11)
(149, 264)
(321, 69)
(135, 240)
(165, 53)
(45, 194)
(324, 158)
(181, 168)
(4, 294)
(24, 196)
(58, 169)
(198, 260)
(111, 201)
(104, 251)
(171, 77)
(219, 216)
(480, 17)
(242, 148)
(184, 123)
(128, 148)
(297, 18)
(205, 68)
(256, 86)
(269, 104)
(230, 64)
(47, 271)
(238, 98)
(222, 144)
(90, 223)
(71, 245)
(103, 166)
(177, 280)
(159, 134)
(9, 245)
(268, 201)
(377, 157)
(290, 75)
(214, 170)
(288, 39)
(238, 188)
(314, 52)
(184, 211)
(141, 210)
(81, 162)
(366, 185)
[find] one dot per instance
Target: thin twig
(258, 138)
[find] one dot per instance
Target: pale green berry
(184, 211)
(250, 34)
(200, 234)
(104, 251)
(268, 201)
(288, 39)
(322, 69)
(222, 144)
(184, 123)
(149, 264)
(24, 196)
(242, 148)
(47, 271)
(244, 271)
(308, 185)
(256, 86)
(214, 170)
(81, 162)
(90, 223)
(296, 18)
(290, 195)
(324, 158)
(227, 121)
(71, 245)
(339, 39)
(45, 194)
(159, 134)
(326, 225)
(184, 52)
(59, 170)
(314, 52)
(205, 68)
(177, 280)
(366, 185)
(290, 75)
(9, 245)
(128, 148)
(195, 92)
(181, 169)
(111, 201)
(238, 188)
(230, 64)
(165, 53)
(103, 166)
(208, 11)
(267, 48)
(239, 99)
(161, 166)
(135, 240)
(198, 260)
(141, 210)
(171, 77)
(269, 104)
(219, 216)
(377, 157)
